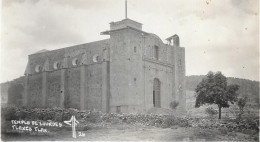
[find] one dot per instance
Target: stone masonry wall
(34, 90)
(94, 87)
(53, 91)
(72, 92)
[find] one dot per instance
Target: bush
(168, 122)
(174, 105)
(211, 111)
(183, 122)
(9, 113)
(93, 117)
(88, 117)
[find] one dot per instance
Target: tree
(241, 104)
(213, 89)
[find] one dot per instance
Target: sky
(218, 35)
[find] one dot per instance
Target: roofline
(126, 19)
(171, 37)
(73, 46)
(127, 27)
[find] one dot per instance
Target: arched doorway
(156, 93)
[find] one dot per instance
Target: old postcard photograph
(129, 70)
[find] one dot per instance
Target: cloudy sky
(218, 35)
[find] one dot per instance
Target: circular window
(56, 65)
(96, 58)
(38, 68)
(75, 62)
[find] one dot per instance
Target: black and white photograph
(129, 70)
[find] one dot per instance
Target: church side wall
(34, 90)
(93, 98)
(72, 92)
(14, 92)
(53, 88)
(80, 81)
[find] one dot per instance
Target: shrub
(211, 111)
(21, 114)
(174, 105)
(169, 121)
(9, 113)
(93, 117)
(183, 122)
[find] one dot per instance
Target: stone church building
(132, 71)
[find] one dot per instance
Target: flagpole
(125, 9)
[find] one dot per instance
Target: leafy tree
(213, 89)
(241, 104)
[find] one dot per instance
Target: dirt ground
(127, 132)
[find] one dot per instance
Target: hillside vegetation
(247, 87)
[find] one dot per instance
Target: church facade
(132, 71)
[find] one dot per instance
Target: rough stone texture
(73, 88)
(113, 75)
(94, 87)
(4, 93)
(35, 90)
(15, 90)
(53, 89)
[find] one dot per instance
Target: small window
(38, 68)
(135, 79)
(96, 58)
(75, 62)
(135, 49)
(156, 52)
(56, 65)
(180, 62)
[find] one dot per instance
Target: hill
(247, 87)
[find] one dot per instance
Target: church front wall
(164, 75)
(119, 69)
(135, 75)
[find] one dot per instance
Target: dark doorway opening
(156, 93)
(153, 98)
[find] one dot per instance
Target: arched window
(96, 58)
(75, 62)
(38, 68)
(156, 52)
(56, 65)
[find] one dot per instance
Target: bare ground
(127, 132)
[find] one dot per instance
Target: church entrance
(156, 93)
